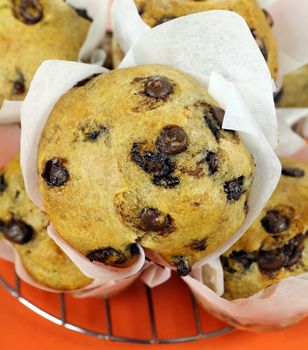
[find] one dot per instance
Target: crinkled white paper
(89, 52)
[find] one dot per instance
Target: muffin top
(24, 225)
(32, 31)
(138, 155)
(294, 92)
(276, 245)
(155, 12)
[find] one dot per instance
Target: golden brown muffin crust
(24, 225)
(276, 245)
(31, 32)
(138, 155)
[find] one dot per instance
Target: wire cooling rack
(16, 291)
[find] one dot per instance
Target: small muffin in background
(294, 91)
(155, 12)
(276, 245)
(139, 156)
(25, 226)
(32, 31)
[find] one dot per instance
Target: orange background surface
(20, 328)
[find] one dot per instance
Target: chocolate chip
(166, 181)
(55, 173)
(246, 207)
(183, 267)
(270, 260)
(164, 19)
(218, 114)
(275, 222)
(293, 250)
(234, 189)
(133, 249)
(107, 256)
(172, 140)
(19, 85)
(3, 184)
(243, 258)
(95, 134)
(214, 118)
(154, 220)
(212, 160)
(225, 264)
(152, 162)
(278, 95)
(28, 11)
(292, 172)
(199, 245)
(260, 43)
(83, 82)
(157, 87)
(18, 232)
(83, 13)
(269, 18)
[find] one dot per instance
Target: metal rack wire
(108, 335)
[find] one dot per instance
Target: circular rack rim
(62, 321)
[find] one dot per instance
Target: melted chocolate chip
(183, 267)
(213, 120)
(83, 13)
(212, 160)
(166, 181)
(292, 172)
(269, 18)
(275, 222)
(83, 82)
(271, 260)
(243, 258)
(154, 220)
(234, 189)
(293, 250)
(158, 87)
(225, 264)
(152, 162)
(199, 245)
(107, 256)
(172, 140)
(28, 11)
(278, 95)
(3, 184)
(95, 134)
(261, 44)
(164, 20)
(133, 249)
(18, 232)
(55, 173)
(218, 114)
(19, 85)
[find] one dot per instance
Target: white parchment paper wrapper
(94, 289)
(289, 141)
(242, 88)
(273, 308)
(89, 52)
(290, 29)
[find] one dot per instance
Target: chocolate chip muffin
(32, 31)
(24, 226)
(138, 155)
(276, 245)
(155, 12)
(294, 91)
